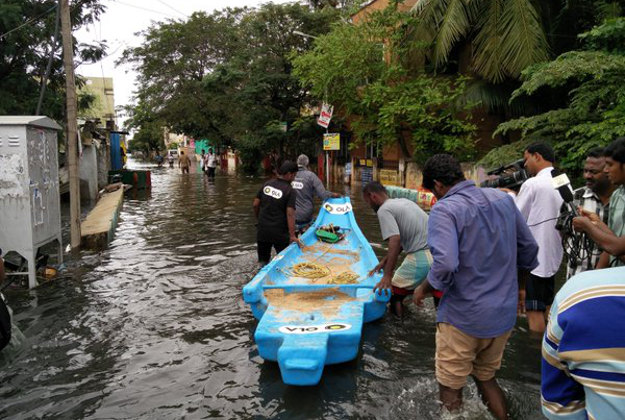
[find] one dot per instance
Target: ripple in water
(155, 327)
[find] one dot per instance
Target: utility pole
(72, 125)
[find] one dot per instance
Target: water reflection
(155, 327)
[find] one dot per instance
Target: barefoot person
(404, 226)
(184, 163)
(478, 239)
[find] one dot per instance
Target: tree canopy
(366, 71)
(591, 81)
(26, 43)
(227, 76)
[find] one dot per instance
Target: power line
(144, 8)
(172, 8)
(104, 94)
(29, 21)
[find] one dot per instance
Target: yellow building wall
(103, 108)
(380, 5)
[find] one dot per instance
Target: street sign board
(326, 115)
(332, 141)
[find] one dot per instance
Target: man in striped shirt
(583, 368)
(594, 198)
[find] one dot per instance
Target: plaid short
(413, 270)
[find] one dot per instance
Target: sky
(123, 19)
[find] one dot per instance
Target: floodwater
(155, 328)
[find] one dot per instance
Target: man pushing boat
(404, 226)
(274, 207)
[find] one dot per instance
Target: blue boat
(307, 323)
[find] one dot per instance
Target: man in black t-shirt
(274, 207)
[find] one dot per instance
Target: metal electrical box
(30, 209)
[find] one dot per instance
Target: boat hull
(306, 324)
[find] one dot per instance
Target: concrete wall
(414, 177)
(88, 172)
(103, 163)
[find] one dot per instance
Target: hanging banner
(332, 141)
(326, 115)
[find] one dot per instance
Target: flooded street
(155, 328)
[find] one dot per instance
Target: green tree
(591, 81)
(230, 78)
(493, 41)
(506, 35)
(148, 138)
(365, 71)
(26, 43)
(171, 65)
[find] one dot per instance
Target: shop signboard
(332, 141)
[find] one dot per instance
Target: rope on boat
(316, 271)
(346, 277)
(310, 270)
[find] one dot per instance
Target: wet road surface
(155, 328)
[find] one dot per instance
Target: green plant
(594, 113)
(363, 71)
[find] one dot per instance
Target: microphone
(562, 183)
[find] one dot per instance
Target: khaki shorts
(459, 355)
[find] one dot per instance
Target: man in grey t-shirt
(404, 225)
(306, 185)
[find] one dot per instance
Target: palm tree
(506, 36)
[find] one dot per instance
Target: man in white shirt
(211, 164)
(539, 203)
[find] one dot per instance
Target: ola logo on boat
(313, 329)
(338, 208)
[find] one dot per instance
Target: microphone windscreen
(566, 193)
(562, 183)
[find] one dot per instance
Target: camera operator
(540, 204)
(594, 198)
(610, 238)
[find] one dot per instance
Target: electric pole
(72, 125)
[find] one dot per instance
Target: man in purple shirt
(478, 239)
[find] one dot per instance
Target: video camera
(510, 176)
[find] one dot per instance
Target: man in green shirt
(610, 237)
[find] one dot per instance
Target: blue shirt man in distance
(307, 185)
(478, 240)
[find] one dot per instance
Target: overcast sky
(123, 18)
